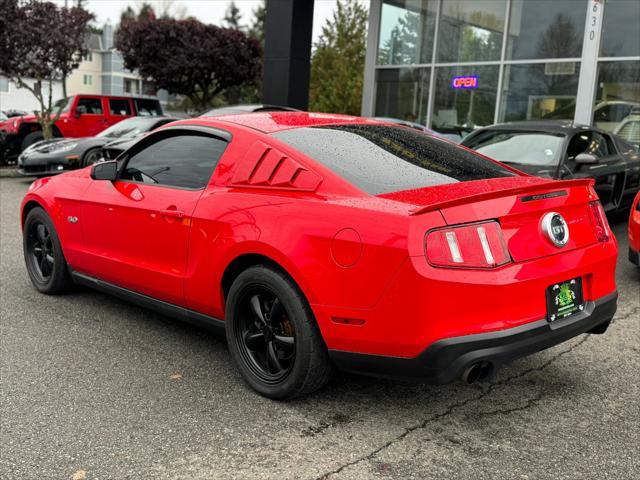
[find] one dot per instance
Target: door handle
(172, 212)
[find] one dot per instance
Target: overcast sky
(207, 11)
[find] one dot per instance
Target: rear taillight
(599, 221)
(478, 245)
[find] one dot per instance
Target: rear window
(381, 159)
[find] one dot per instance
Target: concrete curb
(9, 172)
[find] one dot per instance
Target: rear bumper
(445, 360)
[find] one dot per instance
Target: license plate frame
(564, 299)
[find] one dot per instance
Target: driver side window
(592, 143)
(184, 160)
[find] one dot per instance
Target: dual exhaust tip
(477, 372)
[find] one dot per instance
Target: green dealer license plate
(564, 299)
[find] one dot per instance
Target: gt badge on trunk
(564, 299)
(556, 229)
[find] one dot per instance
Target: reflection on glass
(621, 29)
(402, 93)
(406, 32)
(546, 29)
(471, 30)
(629, 129)
(540, 91)
(519, 147)
(618, 94)
(465, 107)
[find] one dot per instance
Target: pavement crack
(458, 405)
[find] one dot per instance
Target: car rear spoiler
(552, 185)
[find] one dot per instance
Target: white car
(608, 115)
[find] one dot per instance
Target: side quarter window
(183, 160)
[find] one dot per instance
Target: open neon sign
(466, 82)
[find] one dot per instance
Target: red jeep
(82, 116)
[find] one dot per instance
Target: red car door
(89, 116)
(136, 229)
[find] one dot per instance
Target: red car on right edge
(634, 231)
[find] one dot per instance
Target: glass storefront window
(471, 30)
(465, 96)
(406, 32)
(618, 95)
(402, 93)
(621, 29)
(539, 91)
(546, 29)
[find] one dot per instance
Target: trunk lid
(518, 204)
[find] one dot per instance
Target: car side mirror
(105, 171)
(586, 158)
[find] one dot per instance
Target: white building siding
(13, 98)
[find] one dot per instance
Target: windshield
(64, 104)
(131, 127)
(381, 159)
(517, 147)
(3, 117)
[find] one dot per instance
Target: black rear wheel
(265, 335)
(273, 337)
(43, 255)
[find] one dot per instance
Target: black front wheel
(92, 156)
(273, 337)
(43, 255)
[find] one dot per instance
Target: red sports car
(634, 231)
(320, 241)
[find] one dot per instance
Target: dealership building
(470, 63)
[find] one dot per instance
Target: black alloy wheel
(43, 254)
(40, 252)
(265, 335)
(92, 156)
(273, 336)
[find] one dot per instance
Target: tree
(189, 58)
(145, 12)
(232, 16)
(256, 29)
(41, 41)
(252, 92)
(403, 44)
(337, 64)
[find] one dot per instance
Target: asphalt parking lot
(95, 388)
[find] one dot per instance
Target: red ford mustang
(321, 241)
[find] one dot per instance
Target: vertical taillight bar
(599, 220)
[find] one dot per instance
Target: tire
(30, 139)
(91, 156)
(284, 328)
(44, 259)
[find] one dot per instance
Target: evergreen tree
(256, 29)
(337, 64)
(232, 16)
